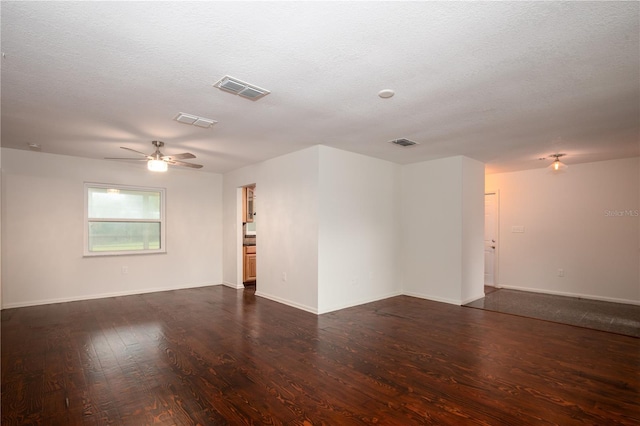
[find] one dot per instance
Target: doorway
(490, 238)
(249, 237)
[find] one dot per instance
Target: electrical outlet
(284, 276)
(561, 272)
(125, 270)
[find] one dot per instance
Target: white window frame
(87, 221)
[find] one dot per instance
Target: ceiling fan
(158, 162)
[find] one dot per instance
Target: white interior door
(490, 237)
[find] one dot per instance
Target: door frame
(239, 242)
(496, 263)
(240, 206)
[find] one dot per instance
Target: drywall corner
(472, 261)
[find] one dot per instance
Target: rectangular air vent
(194, 120)
(204, 123)
(403, 142)
(241, 88)
(231, 85)
(186, 118)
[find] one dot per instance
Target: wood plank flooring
(218, 356)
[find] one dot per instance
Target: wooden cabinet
(248, 204)
(249, 264)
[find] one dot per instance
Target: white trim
(287, 302)
(360, 302)
(471, 299)
(232, 285)
(578, 295)
(300, 306)
(239, 241)
(433, 299)
(496, 257)
(104, 295)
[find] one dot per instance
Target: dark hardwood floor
(215, 356)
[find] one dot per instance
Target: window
(123, 220)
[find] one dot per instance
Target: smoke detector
(403, 142)
(241, 88)
(386, 93)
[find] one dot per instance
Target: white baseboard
(472, 299)
(432, 298)
(101, 295)
(232, 285)
(324, 311)
(578, 295)
(305, 307)
(359, 302)
(287, 302)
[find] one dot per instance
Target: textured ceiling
(501, 82)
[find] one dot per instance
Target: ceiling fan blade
(120, 158)
(182, 156)
(182, 163)
(133, 150)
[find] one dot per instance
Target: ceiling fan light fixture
(557, 166)
(157, 165)
(157, 161)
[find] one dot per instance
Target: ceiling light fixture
(557, 166)
(157, 165)
(404, 142)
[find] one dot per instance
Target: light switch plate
(518, 228)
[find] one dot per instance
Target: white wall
(287, 229)
(42, 230)
(358, 229)
(1, 227)
(567, 226)
(336, 223)
(286, 224)
(442, 223)
(472, 281)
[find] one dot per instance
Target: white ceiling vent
(194, 120)
(240, 88)
(404, 142)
